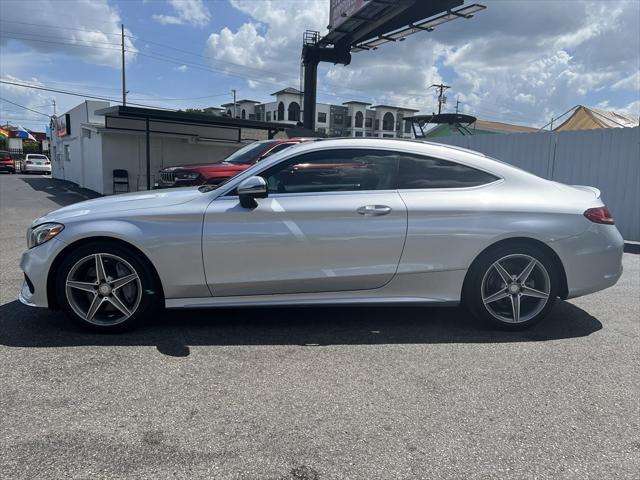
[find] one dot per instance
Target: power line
(27, 121)
(26, 108)
(169, 59)
(61, 43)
(147, 95)
(54, 37)
(57, 27)
(75, 94)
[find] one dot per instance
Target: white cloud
(535, 62)
(632, 109)
(90, 32)
(192, 12)
(268, 47)
(181, 68)
(631, 82)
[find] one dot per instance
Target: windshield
(248, 154)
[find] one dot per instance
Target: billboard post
(361, 25)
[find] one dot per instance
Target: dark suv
(216, 173)
(7, 163)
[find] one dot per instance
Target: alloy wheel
(515, 288)
(103, 289)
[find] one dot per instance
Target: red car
(216, 173)
(7, 163)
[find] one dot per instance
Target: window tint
(334, 171)
(426, 172)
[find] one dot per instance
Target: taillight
(47, 163)
(28, 162)
(600, 215)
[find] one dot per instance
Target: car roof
(420, 147)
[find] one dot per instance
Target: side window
(334, 171)
(426, 172)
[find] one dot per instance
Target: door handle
(374, 210)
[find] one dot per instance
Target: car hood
(122, 202)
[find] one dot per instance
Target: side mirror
(250, 189)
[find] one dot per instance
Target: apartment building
(350, 119)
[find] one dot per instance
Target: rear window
(417, 172)
(37, 157)
(5, 156)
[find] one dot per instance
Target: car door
(333, 221)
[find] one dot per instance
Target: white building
(351, 119)
(91, 140)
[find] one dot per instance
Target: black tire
(150, 296)
(482, 270)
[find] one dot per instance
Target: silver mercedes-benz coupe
(345, 221)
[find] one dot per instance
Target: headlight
(42, 233)
(187, 175)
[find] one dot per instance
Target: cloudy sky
(519, 61)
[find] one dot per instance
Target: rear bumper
(36, 168)
(7, 168)
(592, 260)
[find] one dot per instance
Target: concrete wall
(68, 152)
(127, 150)
(608, 159)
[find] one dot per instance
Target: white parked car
(36, 163)
(360, 221)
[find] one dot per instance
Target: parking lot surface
(313, 393)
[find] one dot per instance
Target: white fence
(608, 159)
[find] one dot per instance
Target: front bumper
(593, 260)
(36, 263)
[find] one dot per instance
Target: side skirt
(282, 300)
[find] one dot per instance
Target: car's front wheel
(512, 286)
(106, 287)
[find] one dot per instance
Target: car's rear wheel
(512, 286)
(106, 287)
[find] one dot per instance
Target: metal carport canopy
(151, 120)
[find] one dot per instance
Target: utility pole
(457, 104)
(53, 102)
(234, 103)
(441, 98)
(124, 83)
(551, 125)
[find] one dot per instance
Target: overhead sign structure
(341, 10)
(361, 25)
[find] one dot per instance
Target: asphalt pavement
(313, 393)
